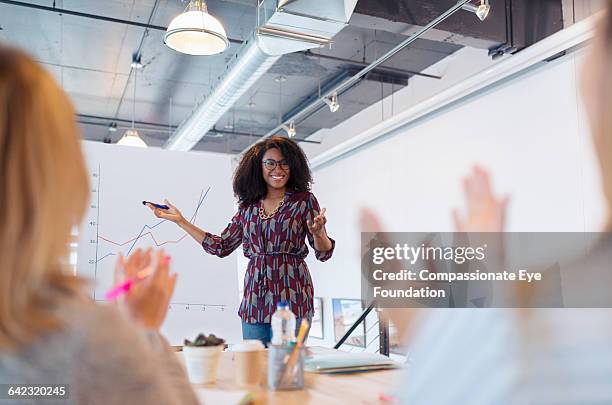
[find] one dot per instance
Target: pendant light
(131, 136)
(195, 32)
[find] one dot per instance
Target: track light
(481, 11)
(332, 102)
(290, 129)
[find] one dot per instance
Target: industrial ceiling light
(482, 11)
(195, 32)
(131, 136)
(290, 129)
(332, 102)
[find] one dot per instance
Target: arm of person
(173, 214)
(218, 245)
(120, 363)
(192, 230)
(229, 240)
(317, 234)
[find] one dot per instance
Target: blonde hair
(43, 194)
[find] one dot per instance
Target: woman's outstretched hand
(317, 225)
(147, 301)
(171, 214)
(485, 211)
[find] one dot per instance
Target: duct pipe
(354, 79)
(284, 27)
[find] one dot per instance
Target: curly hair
(249, 184)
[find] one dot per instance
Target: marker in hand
(121, 289)
(160, 206)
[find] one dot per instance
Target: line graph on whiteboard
(133, 241)
(107, 242)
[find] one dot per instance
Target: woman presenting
(276, 213)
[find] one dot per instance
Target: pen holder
(282, 373)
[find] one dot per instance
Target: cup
(248, 357)
(202, 363)
(283, 375)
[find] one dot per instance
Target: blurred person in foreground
(523, 355)
(51, 332)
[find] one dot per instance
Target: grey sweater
(103, 358)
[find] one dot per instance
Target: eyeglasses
(271, 164)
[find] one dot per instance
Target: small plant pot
(202, 363)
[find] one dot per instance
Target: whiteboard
(199, 184)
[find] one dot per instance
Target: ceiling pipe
(315, 104)
(143, 126)
(283, 27)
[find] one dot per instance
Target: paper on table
(210, 396)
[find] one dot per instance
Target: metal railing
(383, 331)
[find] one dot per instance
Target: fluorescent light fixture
(195, 32)
(291, 132)
(132, 138)
(481, 11)
(332, 102)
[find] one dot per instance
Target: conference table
(358, 388)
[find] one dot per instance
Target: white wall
(530, 132)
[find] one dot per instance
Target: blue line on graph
(105, 256)
(155, 226)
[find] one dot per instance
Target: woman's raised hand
(317, 225)
(171, 214)
(485, 211)
(147, 301)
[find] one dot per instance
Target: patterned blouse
(276, 250)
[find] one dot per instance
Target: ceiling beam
(420, 12)
(380, 70)
(107, 121)
(515, 24)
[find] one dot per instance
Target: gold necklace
(262, 212)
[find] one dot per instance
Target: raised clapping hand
(402, 318)
(485, 211)
(317, 225)
(147, 301)
(171, 214)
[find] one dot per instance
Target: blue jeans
(263, 331)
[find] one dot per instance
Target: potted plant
(202, 358)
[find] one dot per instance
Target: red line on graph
(124, 243)
(142, 236)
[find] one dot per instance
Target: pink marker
(121, 289)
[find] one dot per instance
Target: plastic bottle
(283, 325)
